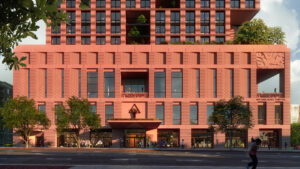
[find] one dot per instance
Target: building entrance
(135, 138)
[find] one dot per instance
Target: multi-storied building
(150, 73)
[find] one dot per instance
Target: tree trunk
(231, 139)
(27, 142)
(78, 140)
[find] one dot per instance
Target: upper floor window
(194, 113)
(209, 112)
(190, 22)
(176, 84)
(262, 114)
(86, 2)
(115, 3)
(100, 40)
(175, 39)
(279, 114)
(109, 112)
(71, 40)
(42, 108)
(205, 22)
(130, 3)
(220, 22)
(160, 113)
(160, 22)
(175, 22)
(85, 16)
(145, 3)
(109, 84)
(160, 84)
(204, 39)
(205, 3)
(250, 3)
(100, 4)
(71, 3)
(220, 3)
(115, 22)
(190, 39)
(85, 40)
(190, 3)
(160, 39)
(235, 3)
(115, 40)
(55, 29)
(55, 40)
(100, 22)
(177, 114)
(92, 84)
(220, 39)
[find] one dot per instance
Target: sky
(283, 13)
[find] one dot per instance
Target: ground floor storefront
(139, 136)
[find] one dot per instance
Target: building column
(270, 113)
(186, 136)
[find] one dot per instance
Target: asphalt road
(146, 160)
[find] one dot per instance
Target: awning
(134, 123)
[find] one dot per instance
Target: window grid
(130, 3)
(160, 113)
(100, 22)
(176, 114)
(85, 40)
(92, 84)
(100, 40)
(205, 3)
(109, 84)
(160, 39)
(100, 4)
(71, 40)
(190, 3)
(176, 84)
(160, 84)
(220, 22)
(109, 112)
(145, 3)
(71, 3)
(160, 22)
(205, 22)
(115, 40)
(194, 114)
(190, 22)
(115, 22)
(55, 40)
(115, 3)
(55, 30)
(235, 3)
(250, 3)
(220, 3)
(175, 22)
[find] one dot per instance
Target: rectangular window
(231, 83)
(58, 4)
(190, 22)
(176, 84)
(235, 3)
(28, 83)
(55, 29)
(205, 3)
(209, 112)
(79, 83)
(109, 112)
(220, 22)
(115, 40)
(100, 3)
(100, 40)
(85, 40)
(115, 22)
(71, 24)
(175, 22)
(42, 108)
(194, 113)
(214, 83)
(220, 39)
(55, 40)
(190, 39)
(205, 39)
(250, 3)
(71, 40)
(175, 39)
(109, 84)
(160, 84)
(46, 77)
(190, 3)
(130, 3)
(205, 22)
(248, 83)
(160, 22)
(160, 40)
(62, 83)
(160, 113)
(93, 108)
(115, 3)
(197, 83)
(100, 22)
(177, 114)
(92, 84)
(145, 3)
(71, 3)
(220, 3)
(231, 58)
(279, 114)
(85, 22)
(262, 114)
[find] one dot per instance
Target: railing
(133, 95)
(268, 95)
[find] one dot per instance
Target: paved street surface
(120, 159)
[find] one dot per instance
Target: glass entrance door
(135, 138)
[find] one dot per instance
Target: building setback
(149, 58)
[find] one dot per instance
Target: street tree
(295, 134)
(231, 115)
(257, 32)
(77, 116)
(21, 114)
(19, 20)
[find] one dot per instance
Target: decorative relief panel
(270, 60)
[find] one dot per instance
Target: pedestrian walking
(269, 144)
(182, 144)
(252, 154)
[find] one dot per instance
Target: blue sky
(283, 13)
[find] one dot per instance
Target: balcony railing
(270, 95)
(134, 95)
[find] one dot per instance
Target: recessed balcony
(134, 84)
(270, 95)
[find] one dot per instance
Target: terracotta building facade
(146, 69)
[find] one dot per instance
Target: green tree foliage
(134, 32)
(257, 32)
(77, 117)
(21, 114)
(141, 19)
(231, 115)
(19, 20)
(295, 134)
